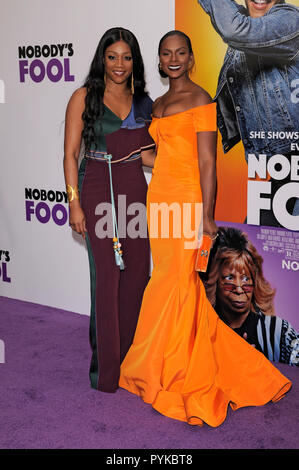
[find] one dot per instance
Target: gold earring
(105, 78)
(132, 84)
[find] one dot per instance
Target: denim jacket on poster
(258, 87)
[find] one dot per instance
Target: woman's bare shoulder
(77, 101)
(200, 96)
(78, 95)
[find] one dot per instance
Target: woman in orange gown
(184, 360)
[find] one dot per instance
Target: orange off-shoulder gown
(184, 360)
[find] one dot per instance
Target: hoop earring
(132, 84)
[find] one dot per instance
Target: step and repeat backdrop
(45, 54)
(46, 50)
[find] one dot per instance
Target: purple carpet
(47, 402)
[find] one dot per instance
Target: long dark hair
(174, 32)
(95, 83)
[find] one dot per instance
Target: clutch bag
(203, 254)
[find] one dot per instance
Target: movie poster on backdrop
(251, 68)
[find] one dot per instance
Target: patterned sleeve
(143, 116)
(205, 118)
(289, 345)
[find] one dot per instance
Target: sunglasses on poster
(230, 286)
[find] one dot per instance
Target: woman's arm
(148, 157)
(206, 147)
(72, 144)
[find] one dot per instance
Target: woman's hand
(210, 228)
(77, 219)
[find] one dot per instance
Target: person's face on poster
(257, 8)
(235, 289)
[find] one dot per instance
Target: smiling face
(235, 288)
(175, 57)
(118, 62)
(258, 8)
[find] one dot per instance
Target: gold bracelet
(212, 238)
(72, 193)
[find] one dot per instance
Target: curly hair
(95, 82)
(234, 247)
